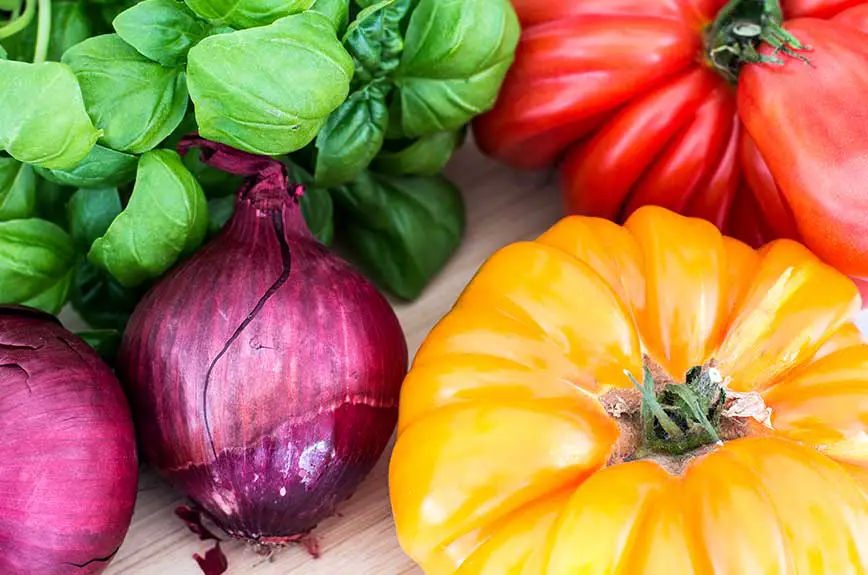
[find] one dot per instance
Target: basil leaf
(43, 120)
(352, 136)
(425, 156)
(54, 298)
(100, 300)
(101, 168)
(456, 55)
(19, 46)
(316, 203)
(216, 183)
(69, 26)
(374, 39)
(105, 342)
(402, 230)
(186, 127)
(136, 101)
(269, 90)
(162, 30)
(51, 201)
(36, 259)
(337, 12)
(103, 14)
(220, 211)
(318, 211)
(17, 190)
(247, 13)
(166, 218)
(90, 213)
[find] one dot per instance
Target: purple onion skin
(68, 469)
(264, 374)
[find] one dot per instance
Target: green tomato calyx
(739, 32)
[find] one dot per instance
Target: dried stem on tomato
(673, 422)
(741, 28)
(679, 418)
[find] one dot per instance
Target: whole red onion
(68, 470)
(265, 371)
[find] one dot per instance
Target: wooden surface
(502, 207)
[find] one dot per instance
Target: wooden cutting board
(502, 207)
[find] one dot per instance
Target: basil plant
(363, 101)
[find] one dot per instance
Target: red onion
(264, 372)
(68, 470)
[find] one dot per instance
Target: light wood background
(502, 206)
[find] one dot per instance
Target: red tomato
(621, 94)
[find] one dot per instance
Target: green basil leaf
(103, 15)
(43, 120)
(166, 218)
(402, 230)
(100, 300)
(316, 203)
(374, 39)
(456, 55)
(186, 127)
(247, 13)
(136, 101)
(69, 26)
(352, 136)
(17, 190)
(36, 259)
(337, 12)
(54, 298)
(216, 183)
(19, 46)
(105, 342)
(103, 167)
(162, 30)
(51, 201)
(425, 156)
(220, 210)
(368, 3)
(269, 90)
(90, 213)
(318, 211)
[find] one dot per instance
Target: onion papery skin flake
(68, 466)
(265, 371)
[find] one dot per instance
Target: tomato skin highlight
(818, 157)
(619, 95)
(563, 77)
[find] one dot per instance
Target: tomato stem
(679, 418)
(739, 31)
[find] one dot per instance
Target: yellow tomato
(522, 449)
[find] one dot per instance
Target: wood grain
(502, 207)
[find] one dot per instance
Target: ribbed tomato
(626, 96)
(524, 449)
